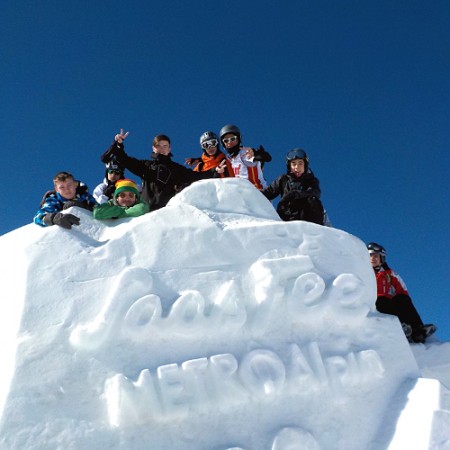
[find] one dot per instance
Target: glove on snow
(63, 220)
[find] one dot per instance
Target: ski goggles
(117, 172)
(210, 143)
(296, 153)
(230, 139)
(375, 248)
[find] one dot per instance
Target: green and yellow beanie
(126, 185)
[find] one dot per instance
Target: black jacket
(298, 195)
(308, 184)
(161, 177)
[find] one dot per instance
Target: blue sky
(363, 87)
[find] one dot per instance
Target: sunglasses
(117, 172)
(230, 139)
(210, 143)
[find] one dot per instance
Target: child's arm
(136, 166)
(253, 155)
(274, 189)
(102, 193)
(192, 161)
(50, 206)
(137, 210)
(313, 188)
(118, 142)
(108, 211)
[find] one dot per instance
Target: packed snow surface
(209, 324)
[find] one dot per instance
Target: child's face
(113, 175)
(66, 188)
(298, 167)
(375, 259)
(210, 149)
(230, 140)
(126, 198)
(162, 147)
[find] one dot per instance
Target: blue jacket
(54, 203)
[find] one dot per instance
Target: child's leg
(402, 307)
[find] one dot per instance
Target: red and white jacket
(389, 283)
(244, 167)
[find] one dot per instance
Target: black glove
(64, 220)
(71, 203)
(311, 199)
(261, 155)
(109, 191)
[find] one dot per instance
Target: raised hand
(191, 161)
(249, 152)
(221, 167)
(120, 137)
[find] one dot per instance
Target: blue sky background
(362, 86)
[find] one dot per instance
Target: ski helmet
(208, 136)
(113, 165)
(297, 153)
(230, 129)
(378, 249)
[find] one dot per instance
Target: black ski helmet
(207, 136)
(296, 153)
(227, 129)
(373, 247)
(113, 165)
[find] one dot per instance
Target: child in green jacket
(126, 202)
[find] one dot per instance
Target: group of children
(162, 178)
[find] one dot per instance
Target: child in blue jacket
(68, 193)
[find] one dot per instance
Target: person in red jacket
(393, 297)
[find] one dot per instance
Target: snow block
(209, 324)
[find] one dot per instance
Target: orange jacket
(210, 162)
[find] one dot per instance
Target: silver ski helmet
(296, 153)
(230, 129)
(378, 249)
(208, 136)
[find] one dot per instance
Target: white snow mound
(209, 324)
